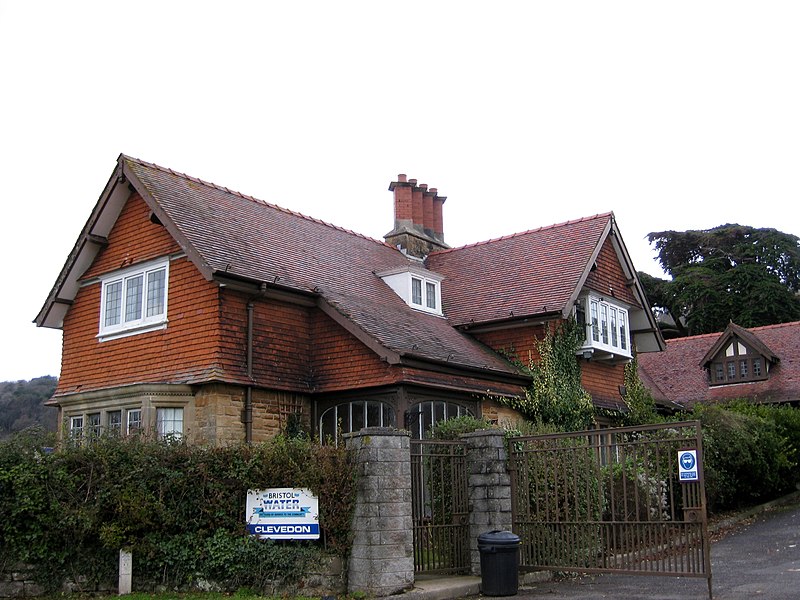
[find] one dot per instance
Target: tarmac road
(758, 559)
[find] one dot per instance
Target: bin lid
(499, 538)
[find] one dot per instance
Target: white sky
(675, 115)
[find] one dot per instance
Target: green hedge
(751, 452)
(179, 509)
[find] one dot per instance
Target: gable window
(134, 300)
(607, 327)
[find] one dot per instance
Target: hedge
(178, 508)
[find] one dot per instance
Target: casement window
(169, 422)
(736, 363)
(134, 300)
(134, 421)
(76, 427)
(93, 428)
(114, 422)
(425, 294)
(419, 288)
(353, 416)
(606, 324)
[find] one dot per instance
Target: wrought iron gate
(440, 506)
(611, 500)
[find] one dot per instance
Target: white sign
(282, 514)
(687, 465)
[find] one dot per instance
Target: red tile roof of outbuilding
(680, 378)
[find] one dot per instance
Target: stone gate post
(489, 487)
(382, 557)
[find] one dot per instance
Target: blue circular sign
(687, 460)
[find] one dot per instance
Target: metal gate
(611, 500)
(440, 506)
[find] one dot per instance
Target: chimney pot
(412, 181)
(424, 186)
(401, 178)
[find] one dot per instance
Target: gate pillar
(382, 558)
(489, 487)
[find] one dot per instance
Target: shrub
(746, 458)
(180, 508)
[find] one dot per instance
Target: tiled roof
(226, 232)
(536, 272)
(679, 377)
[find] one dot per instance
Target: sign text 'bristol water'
(283, 514)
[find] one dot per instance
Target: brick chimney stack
(418, 223)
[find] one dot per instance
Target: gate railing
(440, 506)
(611, 500)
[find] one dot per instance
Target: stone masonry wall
(489, 488)
(382, 558)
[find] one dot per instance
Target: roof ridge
(529, 231)
(719, 333)
(254, 199)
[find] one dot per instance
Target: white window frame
(429, 289)
(131, 419)
(76, 424)
(430, 299)
(614, 342)
(142, 323)
(167, 422)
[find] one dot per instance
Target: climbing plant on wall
(556, 396)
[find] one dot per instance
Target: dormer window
(420, 289)
(736, 363)
(606, 325)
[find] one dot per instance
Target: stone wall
(382, 558)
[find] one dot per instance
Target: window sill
(115, 335)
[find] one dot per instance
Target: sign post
(282, 514)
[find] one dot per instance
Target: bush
(747, 457)
(178, 507)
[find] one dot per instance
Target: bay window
(606, 326)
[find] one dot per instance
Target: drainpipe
(247, 417)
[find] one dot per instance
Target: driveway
(759, 558)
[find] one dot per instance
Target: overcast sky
(674, 115)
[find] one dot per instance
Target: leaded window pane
(155, 292)
(113, 309)
(731, 370)
(169, 422)
(743, 369)
(623, 330)
(757, 367)
(133, 298)
(604, 322)
(614, 332)
(595, 322)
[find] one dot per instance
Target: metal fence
(440, 506)
(612, 500)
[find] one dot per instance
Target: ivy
(556, 396)
(638, 398)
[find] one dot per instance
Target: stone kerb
(489, 487)
(382, 557)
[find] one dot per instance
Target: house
(196, 311)
(760, 364)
